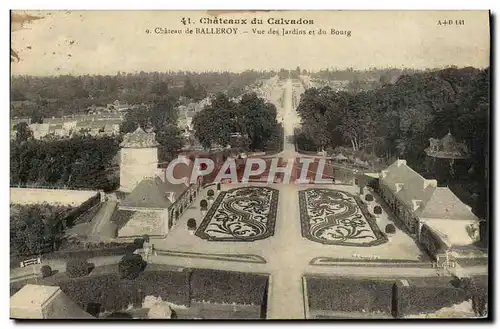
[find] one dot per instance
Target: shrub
(115, 295)
(228, 287)
(204, 204)
(94, 309)
(218, 186)
(145, 237)
(46, 271)
(427, 296)
(131, 266)
(350, 295)
(139, 242)
(377, 210)
(77, 267)
(369, 197)
(131, 248)
(191, 224)
(210, 193)
(390, 229)
(119, 316)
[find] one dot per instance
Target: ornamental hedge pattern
(337, 218)
(241, 214)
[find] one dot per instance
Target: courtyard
(306, 220)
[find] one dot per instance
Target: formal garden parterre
(241, 214)
(337, 218)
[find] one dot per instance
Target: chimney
(400, 162)
(430, 182)
(399, 187)
(416, 204)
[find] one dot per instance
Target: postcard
(240, 165)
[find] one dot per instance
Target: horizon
(186, 72)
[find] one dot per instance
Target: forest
(398, 119)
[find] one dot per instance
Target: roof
(436, 202)
(33, 295)
(149, 193)
(414, 186)
(453, 235)
(444, 204)
(44, 302)
(152, 193)
(139, 139)
(448, 140)
(143, 222)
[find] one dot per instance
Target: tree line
(67, 94)
(80, 162)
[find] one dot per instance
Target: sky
(107, 42)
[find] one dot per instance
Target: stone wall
(26, 196)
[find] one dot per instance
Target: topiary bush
(203, 204)
(46, 271)
(210, 194)
(77, 267)
(145, 237)
(131, 266)
(191, 224)
(139, 242)
(390, 229)
(218, 186)
(131, 248)
(377, 210)
(369, 197)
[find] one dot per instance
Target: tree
(369, 197)
(257, 120)
(377, 210)
(390, 229)
(189, 89)
(130, 266)
(252, 119)
(210, 194)
(215, 123)
(46, 271)
(77, 267)
(37, 115)
(191, 224)
(203, 204)
(23, 132)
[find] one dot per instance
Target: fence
(29, 262)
